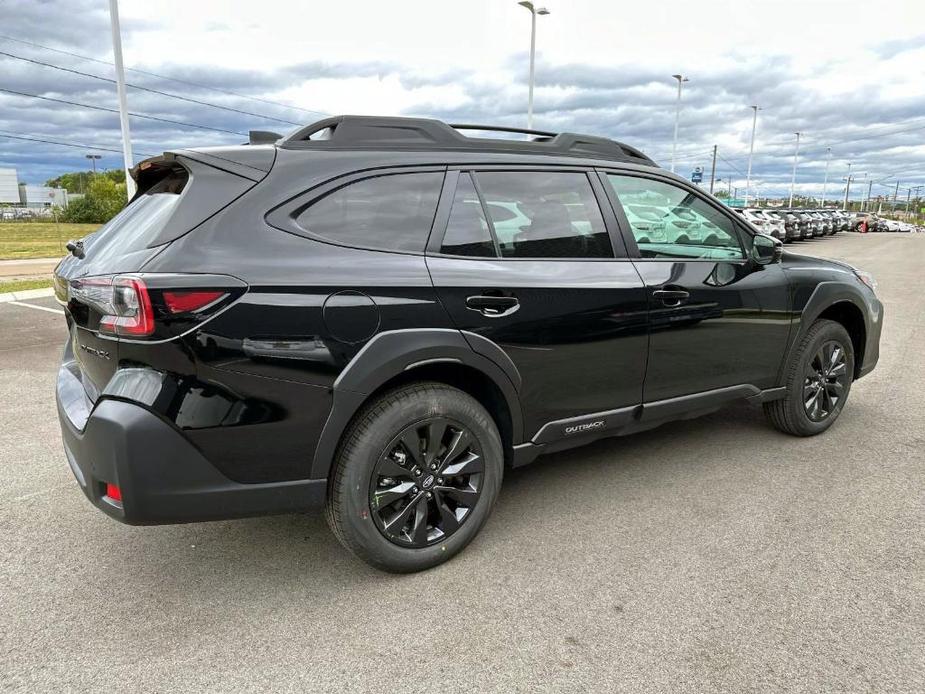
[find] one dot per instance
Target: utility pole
(713, 170)
(870, 184)
(825, 182)
(895, 193)
(123, 103)
(751, 151)
(847, 187)
(793, 176)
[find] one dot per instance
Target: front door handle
(493, 306)
(672, 297)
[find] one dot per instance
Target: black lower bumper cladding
(162, 477)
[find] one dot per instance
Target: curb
(26, 294)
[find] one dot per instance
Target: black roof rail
(390, 132)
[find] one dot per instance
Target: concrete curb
(26, 294)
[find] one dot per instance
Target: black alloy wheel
(818, 381)
(825, 382)
(426, 482)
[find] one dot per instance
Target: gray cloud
(633, 102)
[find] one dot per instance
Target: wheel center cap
(428, 482)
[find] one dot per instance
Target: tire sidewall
(369, 442)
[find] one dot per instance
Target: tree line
(103, 195)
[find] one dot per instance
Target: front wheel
(416, 477)
(818, 381)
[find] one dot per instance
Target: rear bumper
(162, 477)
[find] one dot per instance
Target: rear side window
(544, 214)
(392, 213)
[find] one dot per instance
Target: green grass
(23, 285)
(20, 240)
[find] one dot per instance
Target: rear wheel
(416, 477)
(818, 381)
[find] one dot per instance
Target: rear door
(526, 259)
(717, 320)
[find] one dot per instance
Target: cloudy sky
(849, 75)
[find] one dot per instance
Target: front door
(527, 262)
(716, 320)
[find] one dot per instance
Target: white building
(42, 196)
(9, 187)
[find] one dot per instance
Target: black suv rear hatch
(176, 193)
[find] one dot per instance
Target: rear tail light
(131, 313)
(188, 302)
(113, 491)
(150, 306)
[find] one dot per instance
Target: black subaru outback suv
(379, 315)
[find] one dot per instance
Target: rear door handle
(493, 306)
(672, 297)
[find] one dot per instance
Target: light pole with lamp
(677, 118)
(93, 158)
(534, 11)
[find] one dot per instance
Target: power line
(65, 144)
(147, 89)
(113, 110)
(166, 77)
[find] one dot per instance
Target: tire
(792, 414)
(376, 463)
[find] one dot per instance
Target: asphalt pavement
(713, 555)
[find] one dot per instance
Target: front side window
(392, 212)
(670, 222)
(544, 214)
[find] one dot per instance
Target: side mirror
(766, 250)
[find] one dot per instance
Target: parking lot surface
(712, 555)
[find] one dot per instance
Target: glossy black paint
(263, 389)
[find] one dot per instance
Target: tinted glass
(467, 231)
(393, 213)
(545, 214)
(670, 222)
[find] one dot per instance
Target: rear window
(393, 212)
(136, 227)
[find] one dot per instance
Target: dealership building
(12, 192)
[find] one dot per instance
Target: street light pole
(534, 11)
(677, 118)
(793, 176)
(713, 170)
(847, 187)
(93, 158)
(751, 151)
(123, 103)
(825, 182)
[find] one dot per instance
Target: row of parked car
(798, 224)
(868, 221)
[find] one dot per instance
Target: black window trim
(626, 232)
(442, 217)
(283, 216)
